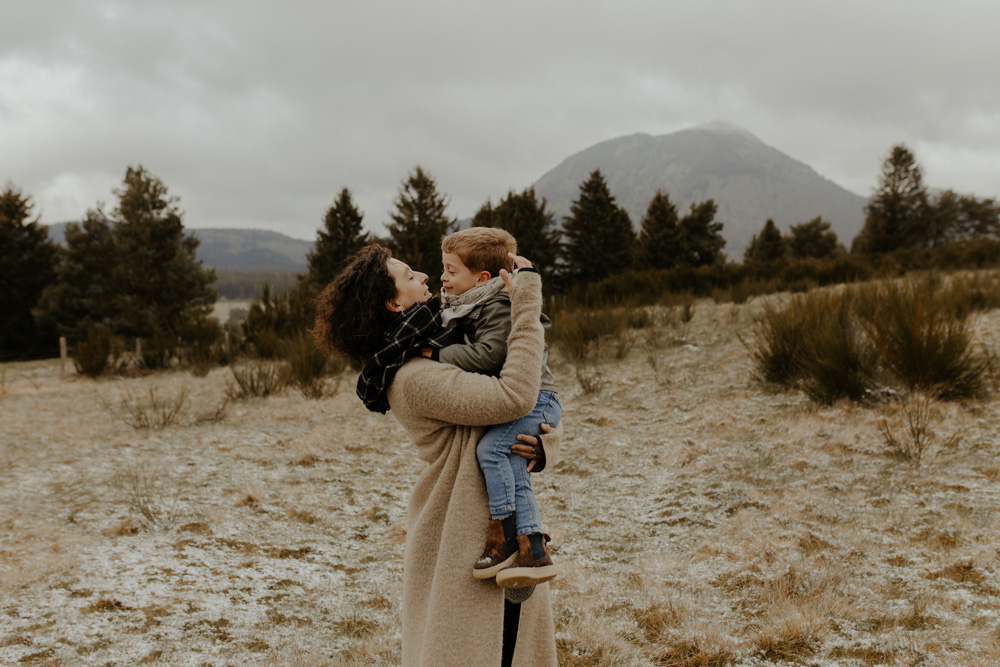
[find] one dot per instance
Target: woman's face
(411, 286)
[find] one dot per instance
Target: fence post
(138, 351)
(62, 357)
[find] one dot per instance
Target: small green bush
(778, 341)
(200, 335)
(847, 344)
(926, 345)
(158, 351)
(578, 332)
(98, 354)
(307, 365)
(835, 360)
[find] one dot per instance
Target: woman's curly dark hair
(351, 317)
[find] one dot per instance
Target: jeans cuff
(501, 512)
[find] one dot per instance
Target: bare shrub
(256, 379)
(145, 498)
(589, 377)
(928, 347)
(215, 415)
(909, 432)
(151, 410)
(624, 341)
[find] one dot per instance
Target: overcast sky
(257, 113)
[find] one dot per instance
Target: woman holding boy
(449, 617)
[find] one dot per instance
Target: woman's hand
(531, 448)
(519, 263)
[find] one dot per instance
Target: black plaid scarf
(420, 326)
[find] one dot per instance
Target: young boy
(474, 299)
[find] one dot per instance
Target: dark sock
(509, 530)
(537, 546)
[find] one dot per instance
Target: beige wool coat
(451, 619)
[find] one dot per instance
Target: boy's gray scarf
(460, 305)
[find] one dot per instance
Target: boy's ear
(484, 276)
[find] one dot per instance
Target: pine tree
(700, 236)
(418, 225)
(767, 247)
(953, 217)
(340, 238)
(158, 278)
(84, 292)
(813, 239)
(528, 221)
(658, 246)
(133, 271)
(598, 237)
(897, 214)
(27, 266)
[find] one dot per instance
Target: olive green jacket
(485, 353)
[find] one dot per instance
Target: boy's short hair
(482, 248)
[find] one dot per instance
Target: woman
(449, 617)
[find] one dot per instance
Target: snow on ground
(700, 519)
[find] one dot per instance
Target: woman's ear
(393, 306)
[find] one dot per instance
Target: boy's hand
(519, 263)
(530, 447)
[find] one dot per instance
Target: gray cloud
(256, 114)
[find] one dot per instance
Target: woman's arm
(448, 394)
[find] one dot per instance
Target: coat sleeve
(451, 395)
(487, 352)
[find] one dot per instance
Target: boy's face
(457, 278)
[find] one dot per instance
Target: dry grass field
(701, 519)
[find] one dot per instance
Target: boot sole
(491, 572)
(521, 577)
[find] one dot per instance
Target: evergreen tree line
(900, 216)
(133, 272)
(129, 272)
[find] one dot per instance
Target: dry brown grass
(701, 520)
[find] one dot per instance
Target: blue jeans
(508, 483)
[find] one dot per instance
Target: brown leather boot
(497, 554)
(527, 570)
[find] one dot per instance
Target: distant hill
(251, 250)
(749, 180)
(237, 249)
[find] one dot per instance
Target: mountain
(251, 250)
(749, 181)
(237, 249)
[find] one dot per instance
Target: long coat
(450, 618)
